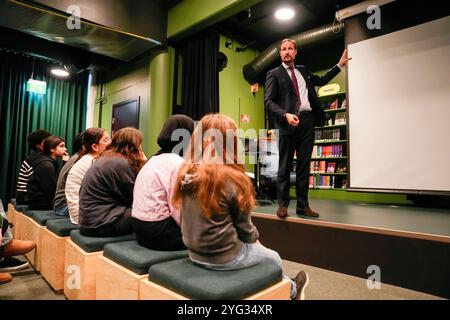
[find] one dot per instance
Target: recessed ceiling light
(59, 72)
(284, 14)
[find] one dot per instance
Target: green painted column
(160, 98)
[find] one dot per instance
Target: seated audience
(95, 141)
(42, 183)
(155, 222)
(106, 193)
(9, 248)
(60, 202)
(35, 142)
(216, 198)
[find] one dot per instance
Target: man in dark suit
(291, 99)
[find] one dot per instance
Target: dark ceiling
(138, 20)
(258, 23)
(117, 30)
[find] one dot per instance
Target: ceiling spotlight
(59, 72)
(284, 14)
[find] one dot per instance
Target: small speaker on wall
(222, 61)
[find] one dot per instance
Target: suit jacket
(280, 96)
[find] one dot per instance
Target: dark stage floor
(395, 217)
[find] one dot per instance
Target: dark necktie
(295, 83)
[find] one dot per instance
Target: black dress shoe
(307, 211)
(282, 212)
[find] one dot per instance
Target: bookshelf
(329, 158)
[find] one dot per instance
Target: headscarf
(177, 121)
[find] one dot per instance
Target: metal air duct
(253, 70)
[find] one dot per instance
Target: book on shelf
(341, 118)
(321, 182)
(331, 167)
(344, 104)
(334, 104)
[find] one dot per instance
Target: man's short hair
(36, 137)
(287, 40)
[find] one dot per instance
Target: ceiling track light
(284, 14)
(60, 72)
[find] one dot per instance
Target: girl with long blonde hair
(216, 198)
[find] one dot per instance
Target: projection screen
(399, 110)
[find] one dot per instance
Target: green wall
(235, 97)
(190, 16)
(130, 81)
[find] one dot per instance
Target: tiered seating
(123, 265)
(181, 279)
(32, 230)
(18, 218)
(81, 264)
(129, 271)
(53, 251)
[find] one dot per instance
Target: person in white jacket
(156, 222)
(95, 141)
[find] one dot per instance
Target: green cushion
(20, 207)
(13, 201)
(28, 212)
(139, 259)
(61, 227)
(195, 282)
(41, 216)
(94, 244)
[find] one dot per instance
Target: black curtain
(200, 76)
(61, 110)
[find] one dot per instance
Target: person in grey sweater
(106, 193)
(216, 198)
(59, 202)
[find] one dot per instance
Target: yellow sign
(329, 89)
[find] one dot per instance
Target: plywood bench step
(123, 265)
(182, 279)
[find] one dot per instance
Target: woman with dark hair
(106, 193)
(59, 202)
(216, 198)
(42, 184)
(95, 141)
(155, 222)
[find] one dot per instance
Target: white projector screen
(399, 110)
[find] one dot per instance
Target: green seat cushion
(42, 216)
(94, 244)
(195, 282)
(61, 227)
(21, 207)
(28, 212)
(139, 259)
(13, 201)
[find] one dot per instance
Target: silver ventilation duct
(253, 70)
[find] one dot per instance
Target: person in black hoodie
(42, 184)
(35, 141)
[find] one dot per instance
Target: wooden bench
(181, 279)
(81, 264)
(32, 230)
(53, 251)
(123, 265)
